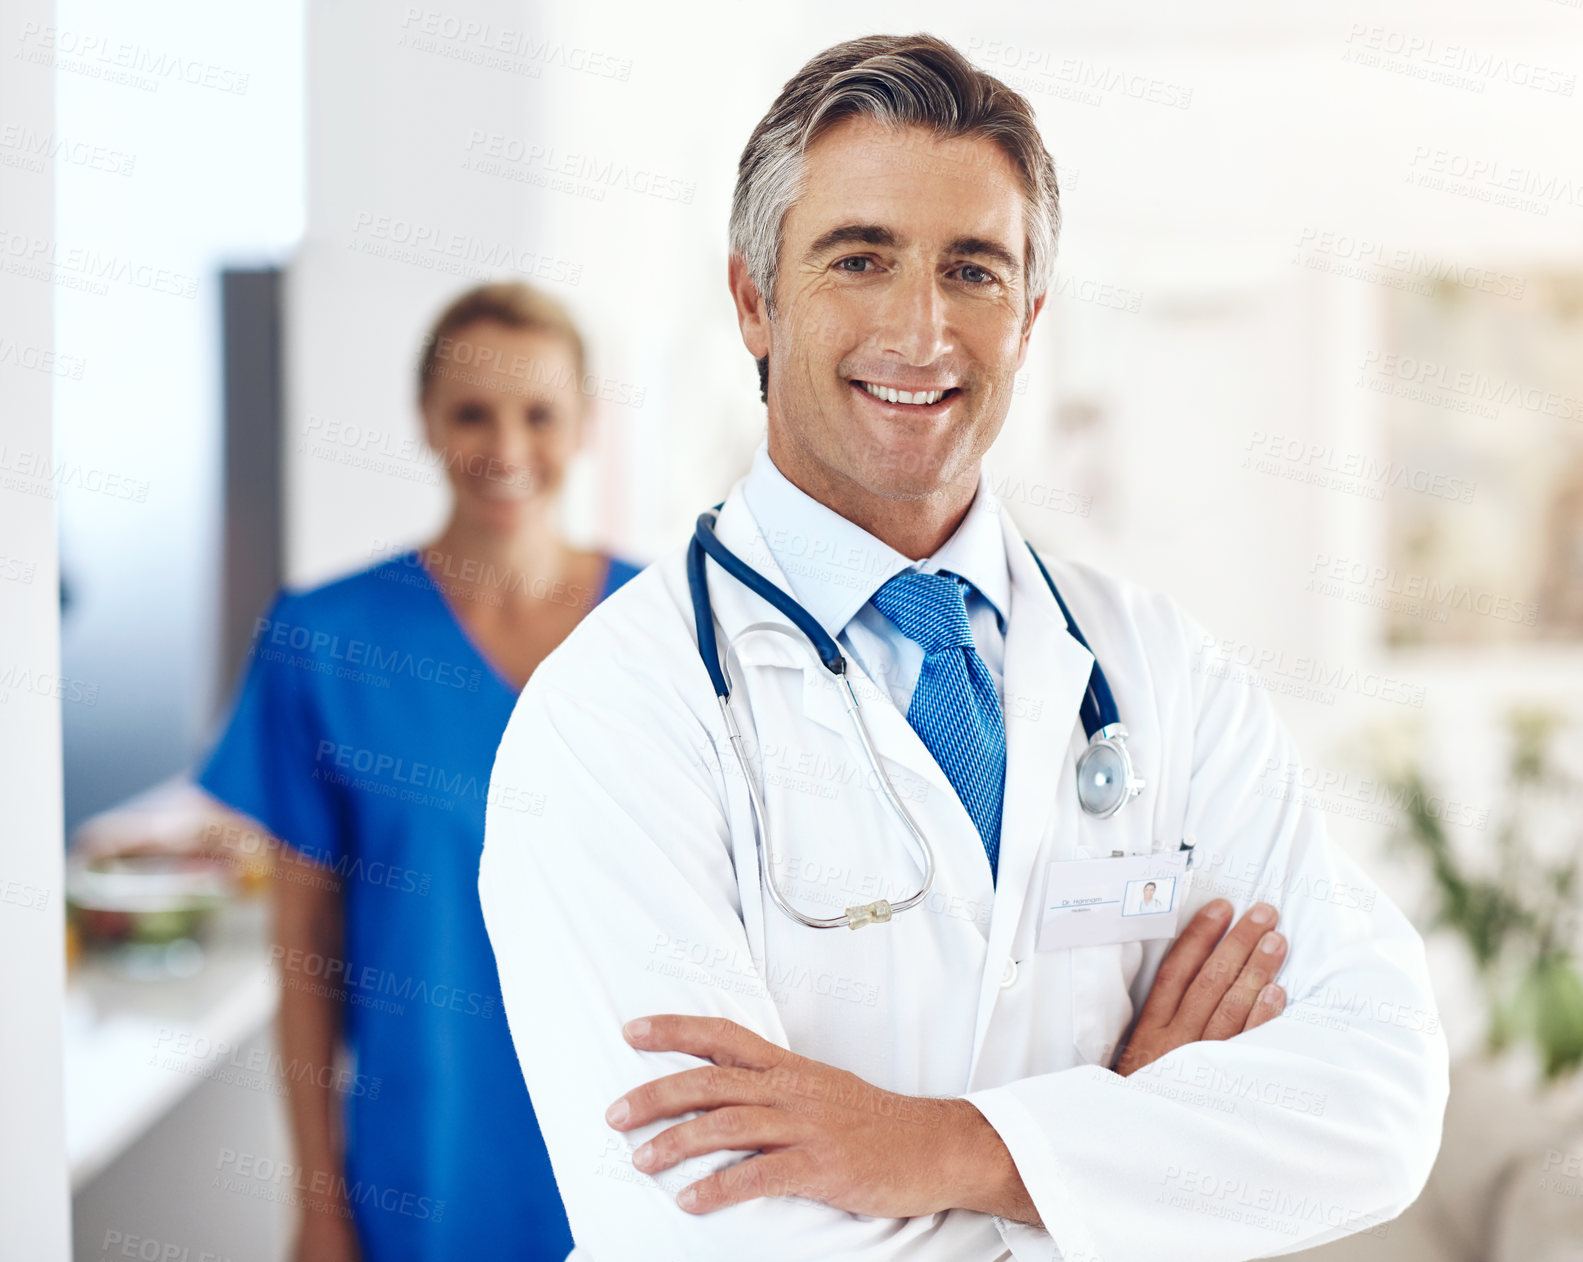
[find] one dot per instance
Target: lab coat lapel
(961, 866)
(1045, 674)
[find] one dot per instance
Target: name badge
(1130, 898)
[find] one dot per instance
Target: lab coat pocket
(1101, 1002)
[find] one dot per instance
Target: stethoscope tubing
(1100, 718)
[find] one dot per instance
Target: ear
(752, 315)
(1027, 329)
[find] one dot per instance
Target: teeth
(924, 397)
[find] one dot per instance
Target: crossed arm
(1327, 1120)
(826, 1135)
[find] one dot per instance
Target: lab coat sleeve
(1323, 1122)
(609, 892)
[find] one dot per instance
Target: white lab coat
(620, 878)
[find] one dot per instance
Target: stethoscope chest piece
(1105, 779)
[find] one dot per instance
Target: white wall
(33, 1195)
(389, 199)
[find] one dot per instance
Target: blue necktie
(954, 708)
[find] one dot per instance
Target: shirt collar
(834, 566)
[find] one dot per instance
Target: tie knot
(929, 609)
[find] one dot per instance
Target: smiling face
(901, 317)
(504, 412)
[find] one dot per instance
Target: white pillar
(34, 1200)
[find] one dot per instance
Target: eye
(471, 414)
(541, 415)
(973, 274)
(841, 264)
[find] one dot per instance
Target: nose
(914, 318)
(508, 448)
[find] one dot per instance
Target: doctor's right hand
(1204, 991)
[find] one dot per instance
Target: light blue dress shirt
(834, 568)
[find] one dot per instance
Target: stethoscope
(1105, 779)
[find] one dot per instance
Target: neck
(915, 527)
(468, 556)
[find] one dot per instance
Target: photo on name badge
(1148, 898)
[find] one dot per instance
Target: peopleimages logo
(443, 249)
(117, 61)
(35, 473)
(591, 175)
(370, 986)
(1313, 678)
(85, 268)
(389, 775)
(272, 1180)
(1493, 180)
(1032, 69)
(1451, 64)
(1320, 464)
(322, 651)
(480, 42)
(33, 150)
(1478, 387)
(1314, 784)
(1378, 584)
(1399, 267)
(253, 1067)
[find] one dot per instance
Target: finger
(1231, 1014)
(1182, 962)
(714, 1038)
(706, 1087)
(1220, 971)
(774, 1174)
(1269, 1005)
(742, 1128)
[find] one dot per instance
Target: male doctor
(717, 1080)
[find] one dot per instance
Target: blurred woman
(363, 737)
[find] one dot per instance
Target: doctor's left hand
(820, 1132)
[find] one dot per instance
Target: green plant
(1515, 907)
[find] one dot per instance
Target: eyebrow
(984, 248)
(878, 234)
(853, 234)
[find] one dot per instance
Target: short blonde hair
(511, 303)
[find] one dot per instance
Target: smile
(906, 398)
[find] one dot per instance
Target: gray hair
(902, 81)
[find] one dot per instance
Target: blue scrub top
(363, 735)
